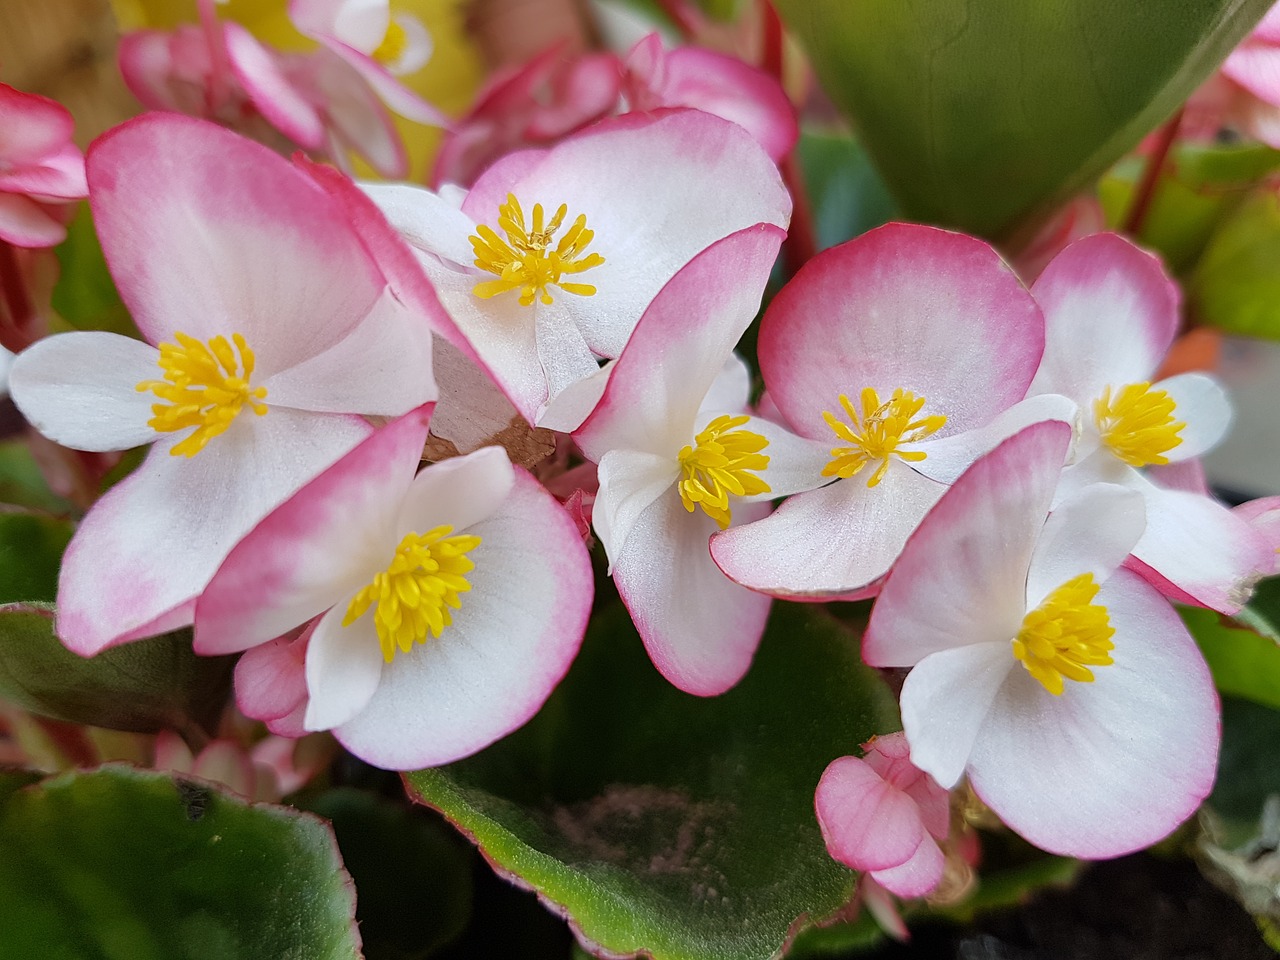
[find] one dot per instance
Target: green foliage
(31, 546)
(21, 483)
(847, 194)
(1236, 286)
(1243, 663)
(988, 116)
(123, 864)
(1249, 765)
(662, 822)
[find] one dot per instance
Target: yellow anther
(721, 465)
(414, 594)
(1138, 424)
(204, 387)
(1065, 635)
(524, 261)
(876, 433)
(393, 45)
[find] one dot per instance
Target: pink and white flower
(550, 259)
(40, 169)
(1065, 686)
(448, 604)
(268, 329)
(903, 355)
(883, 815)
(1110, 315)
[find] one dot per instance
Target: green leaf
(671, 824)
(1249, 763)
(124, 864)
(1262, 612)
(143, 687)
(413, 874)
(1236, 286)
(1243, 663)
(86, 296)
(21, 482)
(847, 195)
(31, 546)
(987, 115)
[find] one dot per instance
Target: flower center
(393, 45)
(721, 465)
(1066, 635)
(876, 433)
(525, 262)
(1138, 424)
(414, 594)
(204, 387)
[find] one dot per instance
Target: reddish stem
(801, 243)
(70, 740)
(771, 60)
(1146, 189)
(16, 309)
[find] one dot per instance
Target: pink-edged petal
(1202, 404)
(1091, 532)
(271, 679)
(357, 119)
(945, 701)
(520, 626)
(948, 458)
(460, 492)
(153, 542)
(79, 389)
(33, 126)
(866, 823)
(250, 244)
(270, 89)
(322, 544)
(382, 367)
(1201, 548)
(344, 666)
(1110, 314)
(701, 629)
(24, 223)
(630, 481)
(962, 577)
(384, 85)
(1264, 516)
(1256, 67)
(680, 347)
(59, 175)
(919, 876)
(930, 311)
(1111, 766)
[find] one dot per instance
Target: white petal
(458, 492)
(430, 223)
(1202, 404)
(629, 482)
(344, 665)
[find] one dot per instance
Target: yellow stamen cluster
(721, 465)
(876, 433)
(393, 45)
(1065, 635)
(414, 594)
(1137, 424)
(524, 261)
(204, 387)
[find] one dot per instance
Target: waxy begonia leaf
(846, 194)
(669, 824)
(120, 863)
(1244, 663)
(1249, 764)
(22, 484)
(142, 687)
(412, 874)
(31, 546)
(1236, 287)
(987, 114)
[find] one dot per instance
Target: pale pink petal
(680, 347)
(700, 628)
(1202, 404)
(866, 823)
(33, 126)
(1110, 314)
(79, 389)
(357, 119)
(1256, 67)
(382, 84)
(25, 223)
(1185, 475)
(919, 876)
(250, 243)
(460, 492)
(344, 667)
(59, 175)
(1111, 766)
(146, 65)
(1264, 516)
(270, 90)
(630, 481)
(154, 541)
(322, 544)
(907, 306)
(271, 679)
(520, 626)
(358, 23)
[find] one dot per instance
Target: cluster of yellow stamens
(204, 387)
(876, 432)
(1065, 635)
(524, 261)
(721, 465)
(1138, 424)
(414, 594)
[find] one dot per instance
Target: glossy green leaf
(412, 873)
(670, 824)
(1236, 286)
(1249, 764)
(143, 687)
(86, 296)
(31, 546)
(1243, 663)
(124, 864)
(987, 115)
(846, 193)
(1262, 612)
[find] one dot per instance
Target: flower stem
(1144, 193)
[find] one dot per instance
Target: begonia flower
(553, 255)
(680, 457)
(268, 328)
(905, 353)
(450, 602)
(882, 815)
(1263, 515)
(1110, 315)
(40, 168)
(1248, 91)
(1064, 685)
